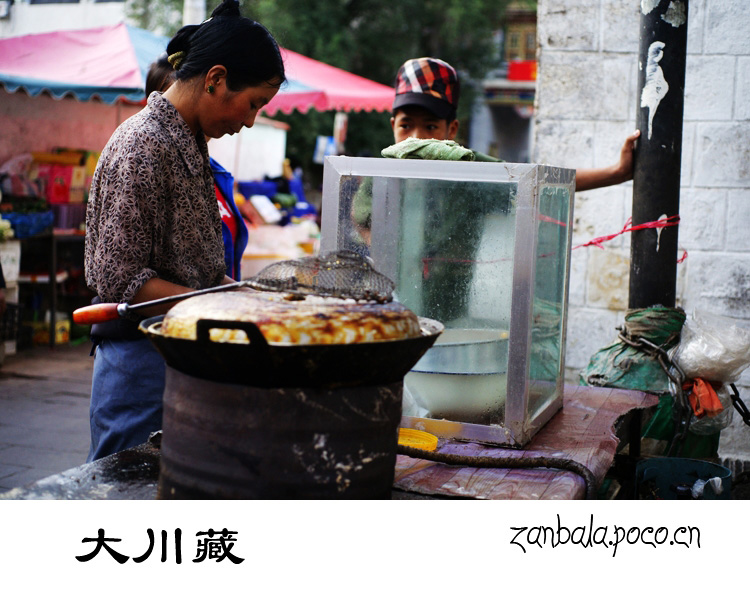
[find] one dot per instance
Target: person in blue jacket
(160, 77)
(233, 226)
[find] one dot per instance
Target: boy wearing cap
(424, 125)
(427, 93)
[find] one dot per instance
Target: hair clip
(176, 59)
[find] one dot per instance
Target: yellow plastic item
(417, 439)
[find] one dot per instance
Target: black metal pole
(656, 175)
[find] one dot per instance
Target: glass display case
(483, 248)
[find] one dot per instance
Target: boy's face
(418, 122)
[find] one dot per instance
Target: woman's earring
(210, 89)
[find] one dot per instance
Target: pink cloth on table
(583, 431)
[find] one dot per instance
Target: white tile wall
(587, 102)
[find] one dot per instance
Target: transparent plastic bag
(713, 347)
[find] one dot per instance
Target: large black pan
(265, 365)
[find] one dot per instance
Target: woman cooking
(153, 227)
(158, 79)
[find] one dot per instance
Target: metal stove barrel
(230, 441)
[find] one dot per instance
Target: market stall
(263, 401)
(319, 416)
(96, 82)
(584, 433)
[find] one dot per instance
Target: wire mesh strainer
(341, 274)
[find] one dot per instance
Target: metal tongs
(109, 311)
(340, 274)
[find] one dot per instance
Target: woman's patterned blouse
(152, 208)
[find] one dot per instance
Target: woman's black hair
(160, 75)
(246, 48)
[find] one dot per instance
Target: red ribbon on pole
(666, 222)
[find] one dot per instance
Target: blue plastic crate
(28, 224)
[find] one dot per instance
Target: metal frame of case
(519, 426)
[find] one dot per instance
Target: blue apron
(126, 395)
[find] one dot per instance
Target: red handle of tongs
(97, 313)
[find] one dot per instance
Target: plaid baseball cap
(428, 82)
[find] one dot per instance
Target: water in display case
(484, 248)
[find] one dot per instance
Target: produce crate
(28, 224)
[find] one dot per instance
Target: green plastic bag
(623, 366)
(620, 365)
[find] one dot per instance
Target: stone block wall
(587, 100)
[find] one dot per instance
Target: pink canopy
(110, 63)
(313, 84)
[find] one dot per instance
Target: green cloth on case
(412, 148)
(428, 150)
